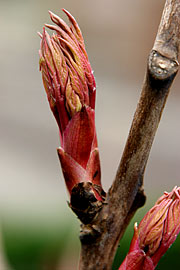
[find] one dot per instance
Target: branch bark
(100, 238)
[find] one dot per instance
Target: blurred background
(37, 229)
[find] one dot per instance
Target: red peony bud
(155, 233)
(70, 86)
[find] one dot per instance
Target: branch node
(89, 233)
(139, 200)
(162, 67)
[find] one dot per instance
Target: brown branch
(100, 238)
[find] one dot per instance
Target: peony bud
(70, 86)
(155, 233)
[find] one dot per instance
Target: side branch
(161, 70)
(126, 193)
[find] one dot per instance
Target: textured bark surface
(100, 238)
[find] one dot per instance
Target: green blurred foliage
(30, 249)
(38, 242)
